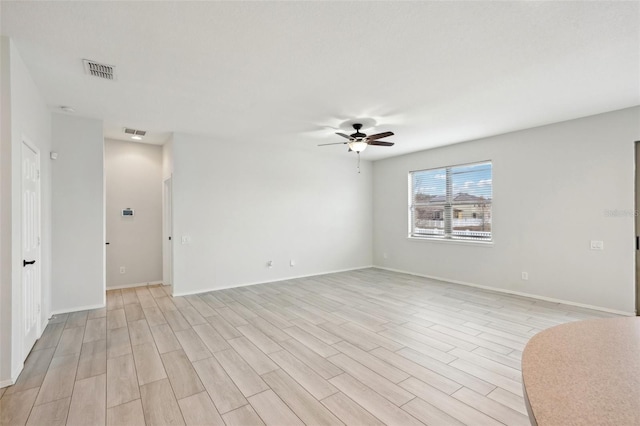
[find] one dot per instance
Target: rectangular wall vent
(134, 132)
(96, 69)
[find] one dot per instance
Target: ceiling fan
(358, 142)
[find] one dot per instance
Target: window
(452, 202)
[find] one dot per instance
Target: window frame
(446, 236)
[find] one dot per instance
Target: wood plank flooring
(361, 347)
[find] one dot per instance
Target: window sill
(452, 241)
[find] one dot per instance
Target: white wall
(78, 214)
(5, 213)
(133, 176)
(24, 116)
(551, 185)
(167, 159)
(242, 208)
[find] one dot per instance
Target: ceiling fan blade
(334, 143)
(343, 135)
(381, 143)
(379, 136)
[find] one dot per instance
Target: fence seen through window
(452, 202)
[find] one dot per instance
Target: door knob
(25, 263)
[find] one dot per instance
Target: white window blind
(452, 202)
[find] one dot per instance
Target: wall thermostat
(127, 212)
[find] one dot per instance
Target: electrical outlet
(525, 276)
(292, 263)
(122, 270)
(385, 255)
(270, 264)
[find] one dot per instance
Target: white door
(31, 264)
(167, 234)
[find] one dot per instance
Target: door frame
(167, 231)
(636, 161)
(25, 142)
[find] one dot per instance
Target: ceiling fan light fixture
(358, 142)
(357, 146)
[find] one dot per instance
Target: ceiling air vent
(96, 69)
(134, 132)
(136, 135)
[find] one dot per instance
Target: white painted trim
(44, 325)
(118, 287)
(16, 373)
(5, 383)
(515, 293)
(488, 244)
(167, 229)
(78, 309)
(272, 281)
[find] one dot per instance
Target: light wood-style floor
(366, 347)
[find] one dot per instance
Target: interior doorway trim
(167, 231)
(637, 224)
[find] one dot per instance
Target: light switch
(597, 245)
(186, 239)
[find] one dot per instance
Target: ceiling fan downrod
(357, 134)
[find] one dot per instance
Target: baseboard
(44, 325)
(5, 383)
(513, 292)
(16, 373)
(118, 287)
(187, 293)
(78, 309)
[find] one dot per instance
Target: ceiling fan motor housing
(357, 134)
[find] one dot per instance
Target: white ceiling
(290, 73)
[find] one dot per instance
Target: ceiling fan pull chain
(358, 162)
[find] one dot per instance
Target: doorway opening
(134, 214)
